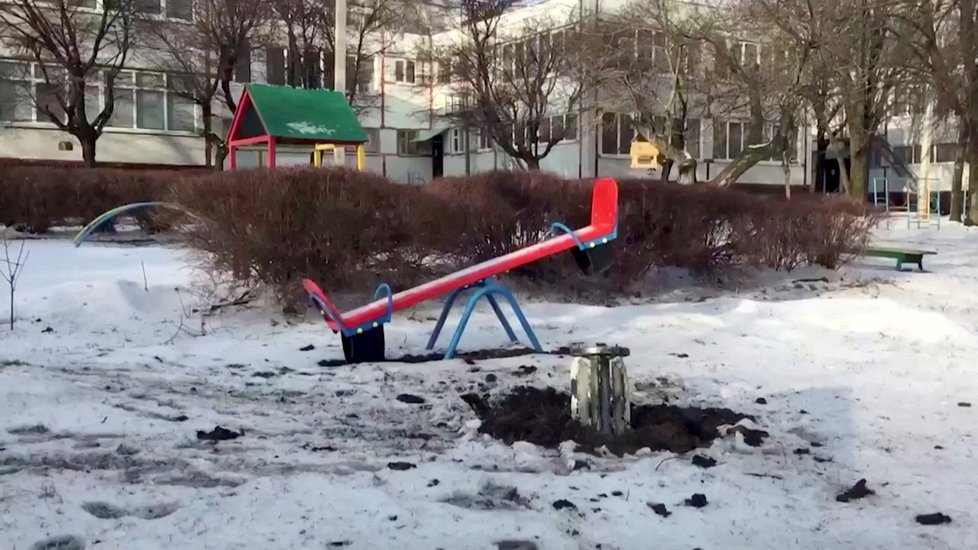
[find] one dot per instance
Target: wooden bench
(901, 255)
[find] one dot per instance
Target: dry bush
(35, 198)
(501, 212)
(345, 229)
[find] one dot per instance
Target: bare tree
(202, 56)
(512, 81)
(669, 61)
(934, 31)
(74, 48)
(310, 53)
(11, 270)
(648, 66)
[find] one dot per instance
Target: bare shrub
(34, 198)
(343, 228)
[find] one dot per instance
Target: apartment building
(405, 101)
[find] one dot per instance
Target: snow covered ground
(104, 384)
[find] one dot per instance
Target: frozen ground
(102, 393)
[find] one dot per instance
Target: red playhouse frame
(362, 330)
(282, 115)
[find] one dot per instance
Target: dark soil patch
(564, 503)
(218, 434)
(542, 417)
(659, 509)
(401, 466)
(704, 461)
(410, 399)
(698, 500)
(936, 518)
(857, 491)
(964, 404)
(469, 357)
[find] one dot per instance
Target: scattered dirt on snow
(542, 417)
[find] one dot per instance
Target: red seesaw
(362, 329)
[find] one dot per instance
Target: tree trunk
(531, 163)
(957, 188)
(738, 167)
(786, 168)
(972, 217)
(666, 170)
(88, 149)
(858, 172)
(687, 172)
(205, 114)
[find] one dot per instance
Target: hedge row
(351, 230)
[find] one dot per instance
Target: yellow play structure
(320, 148)
(644, 155)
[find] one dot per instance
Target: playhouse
(279, 115)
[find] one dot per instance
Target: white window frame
(404, 63)
(405, 143)
(160, 16)
(744, 146)
(373, 141)
(618, 148)
(483, 140)
(32, 78)
(563, 124)
(456, 144)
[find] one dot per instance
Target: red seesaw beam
(604, 223)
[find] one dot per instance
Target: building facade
(405, 100)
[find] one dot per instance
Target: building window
(728, 139)
(732, 139)
(616, 134)
(171, 9)
(455, 142)
(945, 152)
(405, 143)
(242, 65)
(558, 128)
(151, 101)
(179, 9)
(275, 65)
(373, 140)
(444, 72)
(907, 154)
(404, 71)
(485, 140)
(15, 101)
(359, 79)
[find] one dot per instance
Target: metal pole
(466, 130)
(339, 64)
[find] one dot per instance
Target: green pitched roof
(310, 115)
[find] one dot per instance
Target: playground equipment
(901, 255)
(644, 155)
(317, 155)
(921, 207)
(105, 217)
(362, 329)
(279, 115)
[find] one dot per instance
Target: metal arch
(106, 216)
